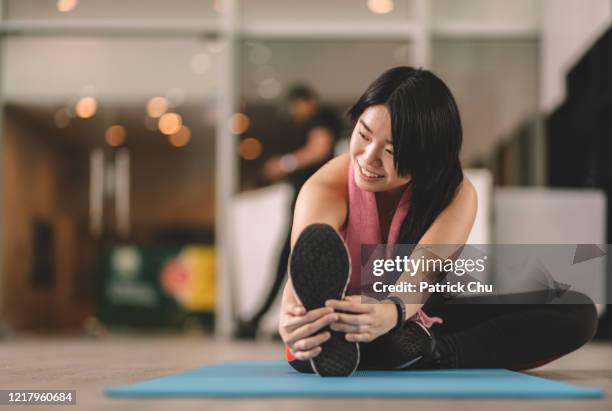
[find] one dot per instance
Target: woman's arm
(455, 222)
(323, 198)
(451, 227)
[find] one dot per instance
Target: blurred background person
(318, 129)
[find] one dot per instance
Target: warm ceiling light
(181, 137)
(86, 107)
(170, 123)
(380, 6)
(115, 135)
(66, 5)
(239, 123)
(250, 148)
(157, 106)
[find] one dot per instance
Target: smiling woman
(402, 182)
(404, 154)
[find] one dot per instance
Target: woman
(402, 182)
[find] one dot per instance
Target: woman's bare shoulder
(454, 224)
(334, 173)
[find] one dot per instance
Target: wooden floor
(88, 365)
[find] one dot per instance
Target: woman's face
(371, 152)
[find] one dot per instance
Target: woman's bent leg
(516, 336)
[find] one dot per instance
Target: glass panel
(487, 12)
(110, 9)
(103, 194)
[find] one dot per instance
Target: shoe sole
(320, 270)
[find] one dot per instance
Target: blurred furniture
(259, 220)
(552, 216)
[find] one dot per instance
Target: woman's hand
(362, 322)
(299, 328)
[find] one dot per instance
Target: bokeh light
(181, 137)
(86, 107)
(157, 106)
(115, 135)
(170, 123)
(380, 6)
(250, 148)
(269, 88)
(259, 54)
(66, 5)
(239, 123)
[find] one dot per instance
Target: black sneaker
(412, 346)
(320, 270)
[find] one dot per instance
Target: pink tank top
(363, 227)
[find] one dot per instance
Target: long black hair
(426, 133)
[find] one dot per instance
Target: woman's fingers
(359, 319)
(309, 317)
(311, 328)
(295, 310)
(350, 306)
(306, 355)
(309, 343)
(349, 328)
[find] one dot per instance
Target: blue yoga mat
(278, 379)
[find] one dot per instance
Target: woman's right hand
(299, 329)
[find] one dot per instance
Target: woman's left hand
(361, 321)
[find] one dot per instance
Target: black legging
(478, 334)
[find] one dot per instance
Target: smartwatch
(401, 312)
